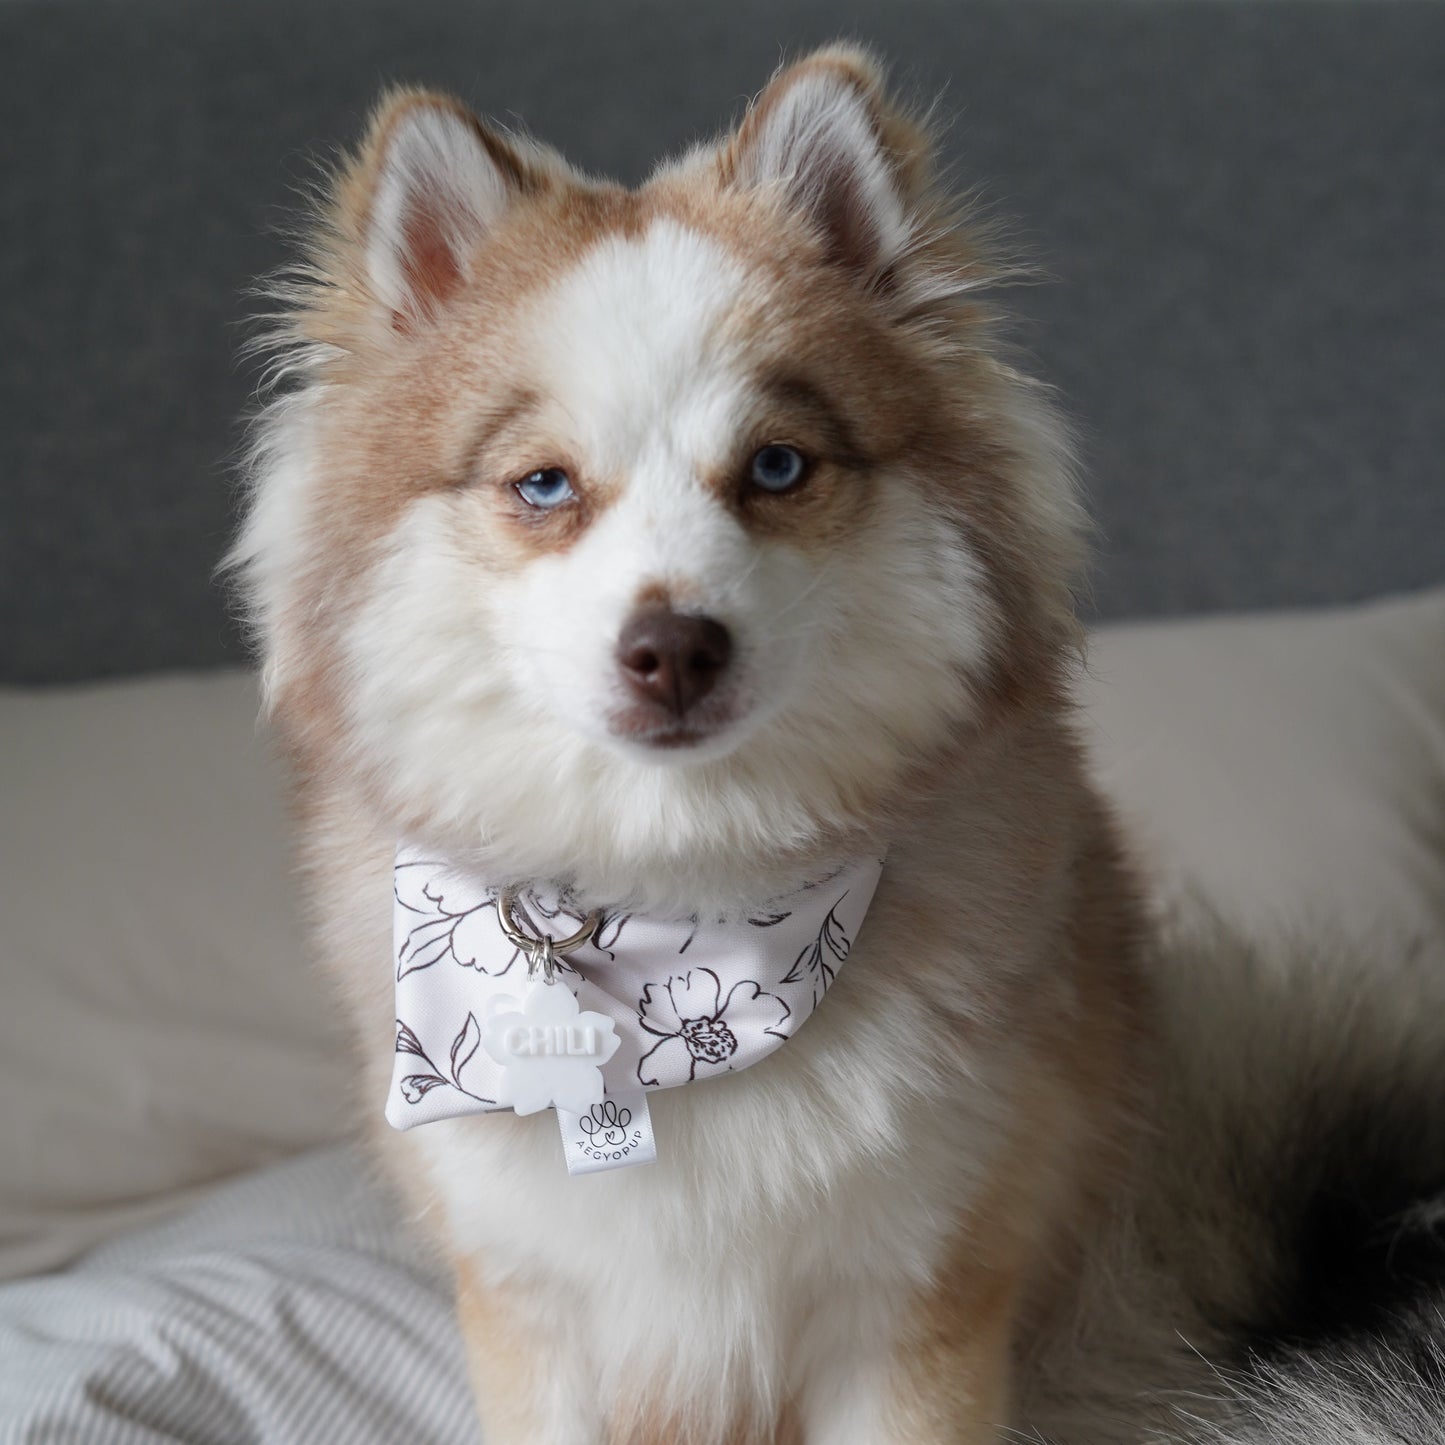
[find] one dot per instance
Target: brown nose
(671, 659)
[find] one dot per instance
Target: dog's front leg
(930, 1370)
(533, 1380)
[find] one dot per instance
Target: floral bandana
(647, 1003)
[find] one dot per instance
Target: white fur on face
(486, 700)
(651, 396)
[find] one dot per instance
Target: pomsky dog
(674, 548)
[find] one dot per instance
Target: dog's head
(612, 531)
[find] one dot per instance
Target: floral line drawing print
(449, 912)
(761, 920)
(696, 922)
(821, 959)
(415, 1087)
(697, 1026)
(769, 920)
(609, 926)
(758, 920)
(609, 930)
(451, 922)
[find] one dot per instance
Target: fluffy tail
(1383, 1385)
(1320, 1076)
(1280, 1274)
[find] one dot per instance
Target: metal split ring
(542, 949)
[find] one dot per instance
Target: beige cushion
(160, 1025)
(1291, 766)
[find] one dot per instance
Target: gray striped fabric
(289, 1307)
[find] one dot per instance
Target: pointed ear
(821, 134)
(430, 182)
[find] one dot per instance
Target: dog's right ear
(430, 181)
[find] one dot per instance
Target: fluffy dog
(673, 547)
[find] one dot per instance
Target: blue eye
(545, 489)
(777, 468)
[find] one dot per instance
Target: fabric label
(610, 1135)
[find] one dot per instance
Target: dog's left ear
(822, 135)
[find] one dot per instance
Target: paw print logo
(605, 1125)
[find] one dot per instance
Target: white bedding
(286, 1308)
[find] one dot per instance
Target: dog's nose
(671, 659)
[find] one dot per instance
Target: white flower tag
(550, 1052)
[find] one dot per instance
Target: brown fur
(501, 1361)
(1016, 1253)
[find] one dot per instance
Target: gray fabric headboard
(1243, 206)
